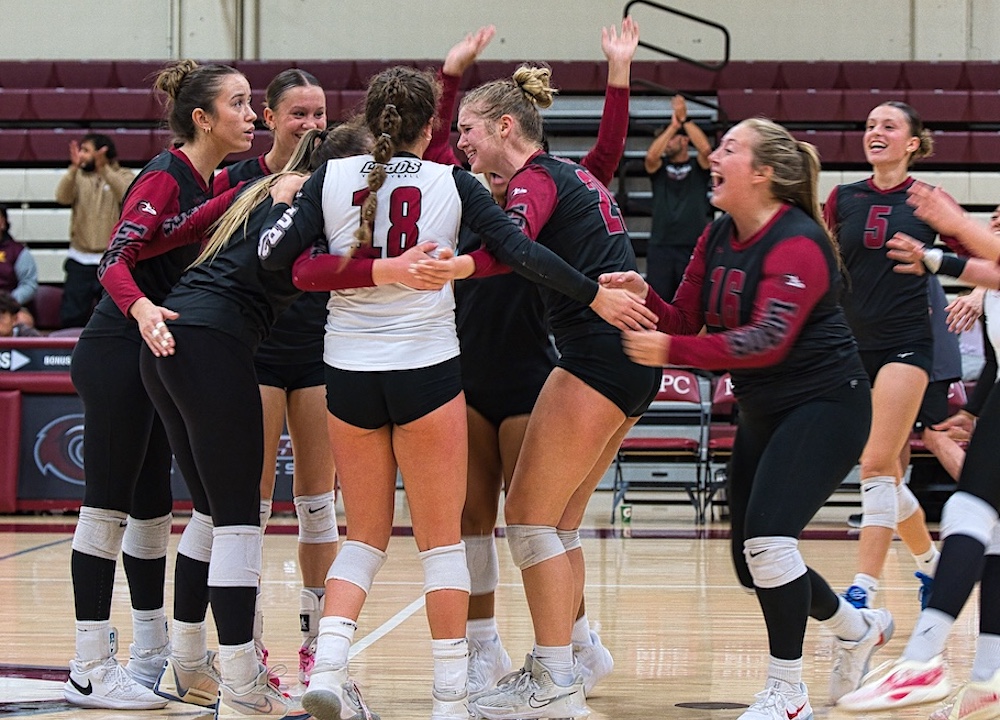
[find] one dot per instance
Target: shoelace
(769, 697)
(352, 691)
(881, 669)
(118, 678)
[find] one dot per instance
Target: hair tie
(387, 136)
(390, 105)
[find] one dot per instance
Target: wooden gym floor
(687, 642)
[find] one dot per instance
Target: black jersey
(232, 292)
(242, 171)
(885, 309)
(565, 209)
(154, 241)
(771, 308)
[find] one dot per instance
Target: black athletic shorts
(294, 376)
(934, 408)
(919, 353)
(374, 399)
(599, 360)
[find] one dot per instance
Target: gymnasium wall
(527, 29)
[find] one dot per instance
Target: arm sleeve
(602, 159)
(685, 315)
(318, 270)
(440, 148)
(830, 211)
(135, 230)
(66, 189)
(514, 248)
(781, 309)
(26, 271)
(289, 230)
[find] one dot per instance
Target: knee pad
(484, 563)
(533, 544)
(147, 539)
(773, 560)
(570, 539)
(236, 557)
(445, 568)
(357, 563)
(99, 532)
(196, 540)
(993, 548)
(878, 502)
(966, 514)
(317, 519)
(906, 503)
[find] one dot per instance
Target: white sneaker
(195, 685)
(488, 662)
(532, 693)
(108, 686)
(905, 682)
(595, 662)
(450, 709)
(853, 658)
(260, 699)
(780, 700)
(332, 695)
(146, 665)
(975, 701)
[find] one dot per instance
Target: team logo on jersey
(518, 191)
(59, 449)
(794, 281)
(146, 207)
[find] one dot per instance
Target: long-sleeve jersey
(885, 309)
(770, 305)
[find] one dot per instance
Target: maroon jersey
(771, 308)
(885, 309)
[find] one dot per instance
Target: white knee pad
(906, 503)
(99, 532)
(317, 519)
(445, 568)
(483, 562)
(878, 502)
(994, 545)
(533, 544)
(773, 560)
(147, 539)
(196, 540)
(965, 514)
(570, 539)
(358, 564)
(236, 557)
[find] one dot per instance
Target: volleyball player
(127, 466)
(290, 374)
(506, 357)
(765, 281)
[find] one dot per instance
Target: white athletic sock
(581, 632)
(847, 623)
(93, 642)
(334, 641)
(482, 630)
(929, 636)
(149, 629)
(238, 665)
(987, 660)
(451, 668)
(190, 645)
(790, 671)
(870, 584)
(559, 661)
(927, 562)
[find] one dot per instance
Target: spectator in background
(18, 272)
(10, 325)
(93, 186)
(681, 209)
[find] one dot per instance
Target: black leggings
(785, 466)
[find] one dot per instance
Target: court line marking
(33, 549)
(385, 628)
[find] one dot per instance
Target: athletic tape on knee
(570, 539)
(906, 503)
(878, 502)
(147, 539)
(196, 540)
(445, 568)
(357, 563)
(774, 560)
(483, 562)
(533, 544)
(99, 532)
(993, 548)
(968, 515)
(236, 557)
(317, 516)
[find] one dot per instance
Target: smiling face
(889, 140)
(231, 118)
(732, 168)
(299, 110)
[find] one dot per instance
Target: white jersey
(391, 327)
